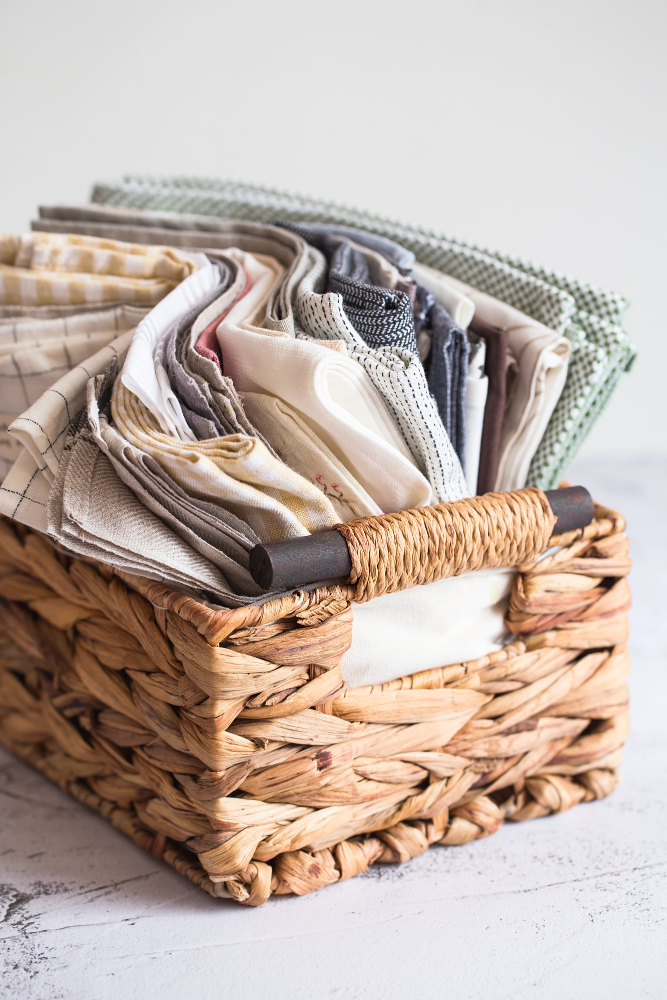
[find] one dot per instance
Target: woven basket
(226, 743)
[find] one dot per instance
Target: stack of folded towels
(177, 388)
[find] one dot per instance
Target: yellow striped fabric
(42, 269)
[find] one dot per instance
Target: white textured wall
(535, 127)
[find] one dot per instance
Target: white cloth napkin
(300, 448)
(334, 396)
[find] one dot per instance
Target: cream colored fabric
(222, 539)
(10, 448)
(541, 358)
(300, 448)
(280, 316)
(459, 305)
(477, 388)
(44, 269)
(156, 530)
(446, 622)
(25, 492)
(333, 395)
(80, 500)
(18, 331)
(237, 471)
(42, 428)
(11, 313)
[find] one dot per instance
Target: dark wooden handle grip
(324, 557)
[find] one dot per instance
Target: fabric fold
(588, 316)
(541, 357)
(52, 269)
(302, 450)
(236, 471)
(476, 396)
(333, 394)
(398, 375)
(35, 352)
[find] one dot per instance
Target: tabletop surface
(572, 905)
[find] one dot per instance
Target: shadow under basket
(226, 743)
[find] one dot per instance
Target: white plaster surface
(570, 906)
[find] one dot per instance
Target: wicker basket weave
(226, 743)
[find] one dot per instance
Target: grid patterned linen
(42, 431)
(35, 352)
(46, 269)
(588, 316)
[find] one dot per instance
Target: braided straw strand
(413, 547)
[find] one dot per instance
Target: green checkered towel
(589, 317)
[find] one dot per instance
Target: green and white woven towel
(589, 317)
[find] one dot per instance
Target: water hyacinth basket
(226, 743)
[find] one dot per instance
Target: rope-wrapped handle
(391, 552)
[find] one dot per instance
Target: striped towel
(42, 269)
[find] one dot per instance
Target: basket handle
(391, 552)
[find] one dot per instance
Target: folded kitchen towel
(236, 471)
(299, 447)
(541, 357)
(41, 432)
(588, 316)
(217, 534)
(398, 375)
(386, 372)
(334, 395)
(94, 514)
(51, 269)
(35, 352)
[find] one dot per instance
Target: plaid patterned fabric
(35, 352)
(43, 278)
(10, 449)
(44, 269)
(30, 364)
(41, 432)
(590, 317)
(25, 492)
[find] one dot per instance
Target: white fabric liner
(449, 621)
